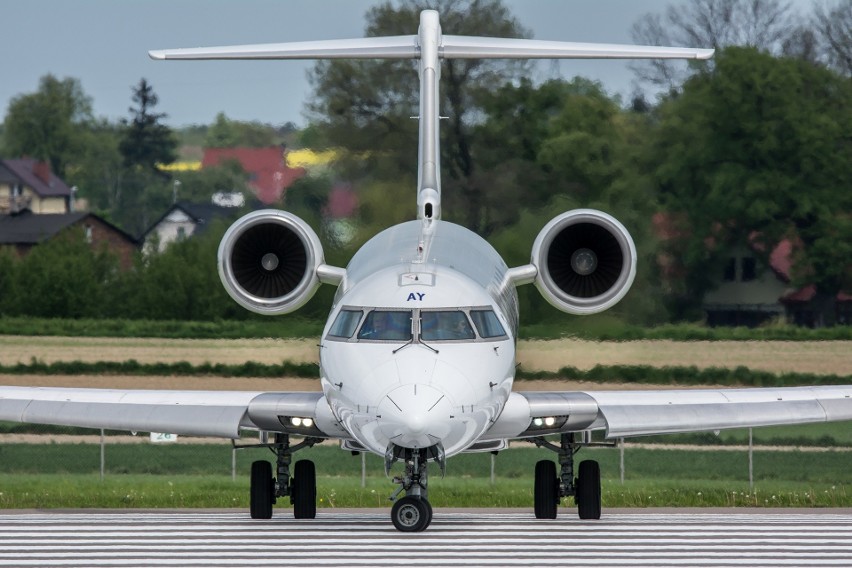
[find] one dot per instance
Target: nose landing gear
(412, 513)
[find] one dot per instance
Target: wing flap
(641, 413)
(189, 413)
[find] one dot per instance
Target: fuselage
(419, 347)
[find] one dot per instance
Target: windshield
(345, 324)
(445, 326)
(382, 325)
(487, 324)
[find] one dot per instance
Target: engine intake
(585, 261)
(268, 262)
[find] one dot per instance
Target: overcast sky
(104, 44)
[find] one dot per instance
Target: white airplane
(417, 359)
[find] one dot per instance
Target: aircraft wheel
(304, 490)
(262, 490)
(546, 490)
(589, 490)
(411, 514)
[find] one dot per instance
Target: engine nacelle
(268, 262)
(585, 261)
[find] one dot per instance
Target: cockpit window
(345, 323)
(380, 325)
(487, 324)
(445, 326)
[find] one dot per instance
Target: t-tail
(430, 46)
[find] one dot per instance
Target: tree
(833, 26)
(366, 106)
(763, 24)
(46, 124)
(754, 151)
(146, 142)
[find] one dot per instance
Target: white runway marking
(337, 538)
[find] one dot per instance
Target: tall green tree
(366, 106)
(753, 151)
(46, 124)
(146, 141)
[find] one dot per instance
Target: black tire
(262, 490)
(546, 490)
(304, 490)
(411, 514)
(589, 490)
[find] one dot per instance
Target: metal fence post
(621, 458)
(363, 470)
(750, 460)
(103, 455)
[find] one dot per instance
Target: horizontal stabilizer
(451, 47)
(466, 47)
(393, 47)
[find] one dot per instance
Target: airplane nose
(415, 416)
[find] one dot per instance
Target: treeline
(737, 153)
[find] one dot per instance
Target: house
(749, 291)
(184, 219)
(750, 294)
(25, 230)
(269, 173)
(26, 183)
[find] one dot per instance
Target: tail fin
(430, 46)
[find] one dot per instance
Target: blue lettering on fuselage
(416, 296)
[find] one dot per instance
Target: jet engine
(585, 261)
(268, 262)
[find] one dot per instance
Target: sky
(104, 44)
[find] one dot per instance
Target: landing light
(297, 422)
(548, 423)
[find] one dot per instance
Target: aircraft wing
(193, 413)
(640, 413)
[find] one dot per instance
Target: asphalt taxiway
(457, 537)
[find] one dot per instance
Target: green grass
(66, 475)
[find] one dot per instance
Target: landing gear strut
(301, 487)
(412, 513)
(551, 488)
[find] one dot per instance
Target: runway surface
(455, 538)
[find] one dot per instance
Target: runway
(628, 538)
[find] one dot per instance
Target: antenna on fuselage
(430, 46)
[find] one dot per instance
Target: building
(751, 288)
(25, 230)
(26, 183)
(182, 220)
(269, 173)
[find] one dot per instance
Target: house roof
(269, 174)
(30, 229)
(202, 213)
(35, 175)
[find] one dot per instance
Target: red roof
(269, 174)
(342, 202)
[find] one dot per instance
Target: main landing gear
(301, 487)
(412, 513)
(550, 488)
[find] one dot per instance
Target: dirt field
(820, 357)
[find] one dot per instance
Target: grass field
(143, 475)
(181, 476)
(819, 357)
